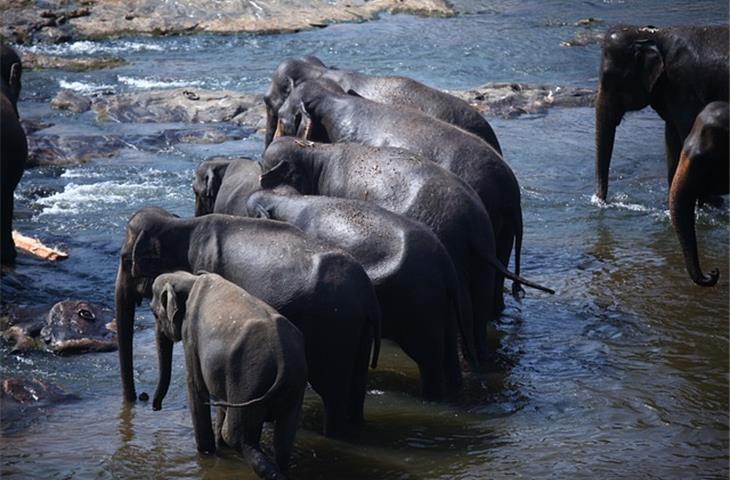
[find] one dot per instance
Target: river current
(622, 374)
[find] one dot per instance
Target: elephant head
(208, 178)
(285, 161)
(631, 65)
(141, 260)
(170, 292)
(703, 169)
(288, 74)
(297, 115)
(11, 71)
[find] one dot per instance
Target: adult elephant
(404, 183)
(321, 110)
(397, 91)
(412, 273)
(703, 170)
(224, 182)
(676, 70)
(321, 289)
(13, 147)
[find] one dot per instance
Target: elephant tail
(517, 290)
(375, 319)
(491, 258)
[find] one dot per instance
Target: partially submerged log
(35, 247)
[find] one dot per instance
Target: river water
(622, 374)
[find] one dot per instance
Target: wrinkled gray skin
(238, 350)
(398, 91)
(13, 147)
(404, 183)
(319, 288)
(321, 109)
(675, 70)
(71, 326)
(703, 170)
(222, 186)
(412, 273)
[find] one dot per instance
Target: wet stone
(72, 101)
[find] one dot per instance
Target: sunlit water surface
(622, 374)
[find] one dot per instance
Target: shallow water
(622, 374)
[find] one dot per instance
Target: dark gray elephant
(221, 184)
(13, 147)
(404, 183)
(412, 273)
(321, 110)
(239, 351)
(321, 289)
(675, 70)
(398, 91)
(704, 169)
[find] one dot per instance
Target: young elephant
(404, 183)
(321, 289)
(13, 147)
(397, 91)
(703, 170)
(222, 184)
(412, 273)
(320, 109)
(239, 350)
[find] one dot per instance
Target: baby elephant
(238, 350)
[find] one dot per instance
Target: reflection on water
(623, 373)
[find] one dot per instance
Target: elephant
(321, 289)
(239, 350)
(70, 326)
(320, 109)
(675, 70)
(406, 184)
(412, 273)
(396, 91)
(222, 185)
(13, 148)
(703, 169)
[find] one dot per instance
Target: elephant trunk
(125, 298)
(203, 205)
(682, 199)
(607, 119)
(164, 359)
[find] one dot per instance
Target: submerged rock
(60, 20)
(513, 99)
(582, 39)
(75, 64)
(21, 400)
(71, 326)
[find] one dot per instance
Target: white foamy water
(147, 83)
(85, 87)
(87, 47)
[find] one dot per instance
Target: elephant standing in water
(676, 70)
(321, 289)
(703, 170)
(397, 91)
(412, 273)
(321, 110)
(406, 184)
(13, 147)
(239, 350)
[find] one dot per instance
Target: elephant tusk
(307, 129)
(279, 129)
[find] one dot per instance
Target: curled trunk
(125, 297)
(607, 119)
(164, 359)
(682, 198)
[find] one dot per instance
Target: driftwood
(35, 247)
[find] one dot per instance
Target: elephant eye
(86, 315)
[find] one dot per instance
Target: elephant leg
(332, 381)
(285, 430)
(7, 245)
(503, 245)
(360, 376)
(243, 432)
(451, 366)
(198, 399)
(219, 427)
(423, 342)
(482, 296)
(673, 144)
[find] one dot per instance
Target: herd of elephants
(380, 208)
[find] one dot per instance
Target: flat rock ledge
(24, 21)
(35, 61)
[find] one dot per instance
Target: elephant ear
(212, 183)
(168, 301)
(652, 63)
(277, 174)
